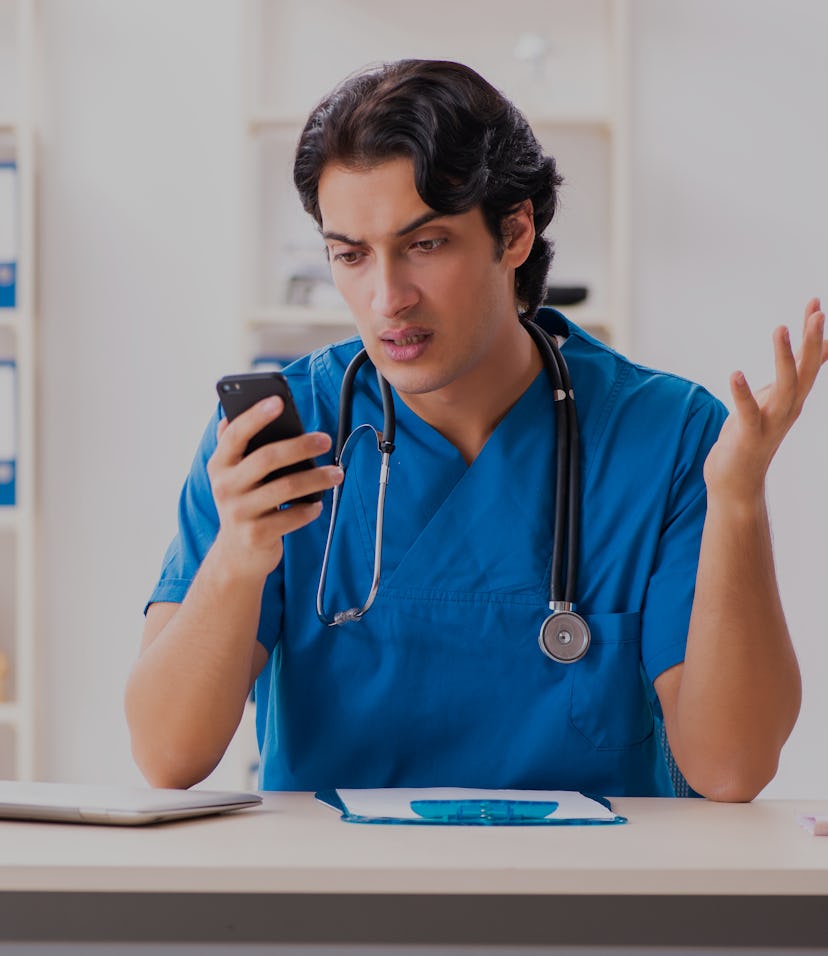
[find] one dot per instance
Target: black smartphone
(237, 393)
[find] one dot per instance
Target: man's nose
(393, 290)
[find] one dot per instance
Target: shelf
(330, 315)
(18, 580)
(307, 317)
(300, 316)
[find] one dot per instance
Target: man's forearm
(187, 691)
(740, 689)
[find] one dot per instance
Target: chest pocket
(610, 705)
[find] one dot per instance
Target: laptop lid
(126, 806)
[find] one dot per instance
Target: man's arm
(187, 691)
(198, 660)
(732, 704)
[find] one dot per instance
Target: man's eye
(349, 258)
(428, 245)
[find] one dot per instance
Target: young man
(432, 194)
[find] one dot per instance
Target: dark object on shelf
(565, 294)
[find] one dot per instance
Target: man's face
(434, 305)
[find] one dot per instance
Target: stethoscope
(564, 634)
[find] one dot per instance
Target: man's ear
(518, 234)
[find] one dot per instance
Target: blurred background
(158, 245)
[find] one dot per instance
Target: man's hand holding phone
(264, 461)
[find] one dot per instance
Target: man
(432, 194)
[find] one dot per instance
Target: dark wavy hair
(468, 143)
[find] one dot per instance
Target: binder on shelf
(9, 235)
(8, 431)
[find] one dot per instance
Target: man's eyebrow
(409, 227)
(419, 221)
(341, 237)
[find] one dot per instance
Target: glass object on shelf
(312, 287)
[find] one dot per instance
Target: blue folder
(8, 432)
(468, 807)
(9, 235)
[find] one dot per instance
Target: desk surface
(294, 844)
(293, 848)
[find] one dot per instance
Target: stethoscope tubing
(568, 489)
(385, 442)
(564, 635)
(354, 614)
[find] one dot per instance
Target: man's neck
(468, 411)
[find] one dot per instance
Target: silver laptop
(82, 803)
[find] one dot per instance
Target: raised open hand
(738, 462)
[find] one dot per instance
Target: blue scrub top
(442, 683)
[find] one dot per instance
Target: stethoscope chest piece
(564, 637)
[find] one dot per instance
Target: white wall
(139, 278)
(730, 100)
(139, 271)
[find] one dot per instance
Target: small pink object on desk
(817, 825)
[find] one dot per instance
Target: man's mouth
(408, 339)
(405, 337)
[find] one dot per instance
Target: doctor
(432, 194)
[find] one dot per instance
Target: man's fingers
(274, 524)
(273, 494)
(280, 454)
(812, 353)
(239, 432)
(787, 375)
(744, 401)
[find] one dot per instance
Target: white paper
(396, 803)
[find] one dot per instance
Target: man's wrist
(739, 504)
(226, 569)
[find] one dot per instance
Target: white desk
(681, 872)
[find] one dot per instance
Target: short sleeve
(198, 525)
(669, 597)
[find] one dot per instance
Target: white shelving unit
(17, 341)
(563, 62)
